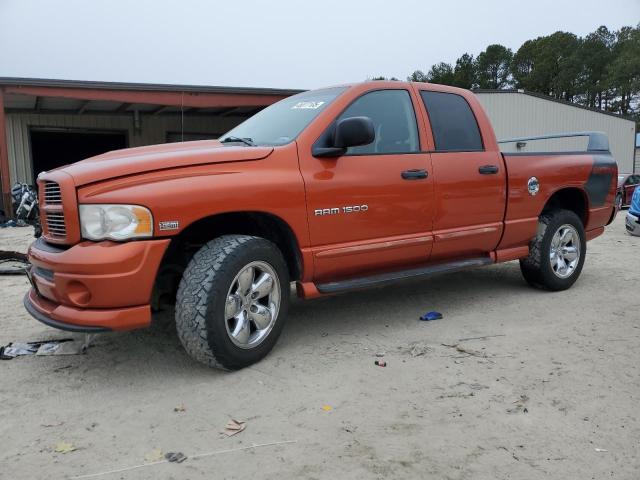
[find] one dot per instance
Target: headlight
(115, 222)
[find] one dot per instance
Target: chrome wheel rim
(252, 304)
(565, 251)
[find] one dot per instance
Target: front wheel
(557, 253)
(232, 301)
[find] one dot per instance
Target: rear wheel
(232, 301)
(557, 253)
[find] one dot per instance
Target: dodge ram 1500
(334, 189)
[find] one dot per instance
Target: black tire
(618, 203)
(202, 295)
(536, 268)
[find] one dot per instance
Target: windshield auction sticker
(307, 105)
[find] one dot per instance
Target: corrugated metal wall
(518, 114)
(153, 130)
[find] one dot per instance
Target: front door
(372, 207)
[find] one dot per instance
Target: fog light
(78, 293)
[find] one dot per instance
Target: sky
(277, 44)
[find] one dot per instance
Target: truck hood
(132, 161)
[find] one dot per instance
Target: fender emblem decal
(170, 225)
(320, 212)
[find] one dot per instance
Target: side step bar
(391, 277)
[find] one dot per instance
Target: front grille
(52, 195)
(55, 224)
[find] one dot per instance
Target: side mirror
(348, 132)
(353, 132)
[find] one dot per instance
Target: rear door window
(454, 125)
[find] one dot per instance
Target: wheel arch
(569, 198)
(184, 245)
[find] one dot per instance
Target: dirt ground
(552, 391)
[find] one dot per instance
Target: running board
(391, 277)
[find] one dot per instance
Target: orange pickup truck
(335, 189)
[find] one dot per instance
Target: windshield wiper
(246, 141)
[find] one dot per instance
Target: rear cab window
(453, 123)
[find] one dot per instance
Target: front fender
(181, 196)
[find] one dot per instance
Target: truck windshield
(282, 122)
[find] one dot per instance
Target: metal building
(516, 113)
(48, 123)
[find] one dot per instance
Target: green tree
(464, 73)
(492, 67)
(548, 65)
(441, 73)
(417, 76)
(624, 71)
(594, 57)
(522, 67)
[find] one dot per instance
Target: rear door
(372, 207)
(470, 179)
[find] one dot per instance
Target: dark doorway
(54, 148)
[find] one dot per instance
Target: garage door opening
(54, 148)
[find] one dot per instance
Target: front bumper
(632, 223)
(94, 286)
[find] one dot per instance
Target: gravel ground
(551, 391)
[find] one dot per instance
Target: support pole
(4, 161)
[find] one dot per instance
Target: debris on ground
(64, 447)
(467, 351)
(380, 363)
(419, 349)
(49, 425)
(327, 408)
(13, 223)
(455, 395)
(433, 315)
(154, 455)
(472, 386)
(601, 450)
(175, 457)
(520, 405)
(483, 337)
(64, 346)
(13, 263)
(380, 354)
(180, 408)
(234, 427)
(178, 457)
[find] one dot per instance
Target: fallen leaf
(327, 408)
(234, 427)
(64, 447)
(154, 455)
(179, 408)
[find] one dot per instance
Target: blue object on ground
(433, 315)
